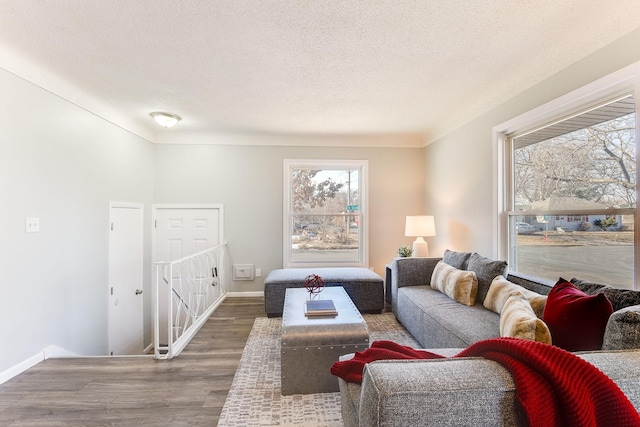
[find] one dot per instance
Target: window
(325, 213)
(571, 195)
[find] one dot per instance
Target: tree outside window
(325, 215)
(575, 182)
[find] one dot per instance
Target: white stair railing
(186, 292)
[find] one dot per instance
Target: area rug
(254, 398)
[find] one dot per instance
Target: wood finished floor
(189, 390)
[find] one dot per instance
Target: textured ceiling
(300, 66)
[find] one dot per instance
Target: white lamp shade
(420, 226)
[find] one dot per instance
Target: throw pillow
(458, 260)
(518, 320)
(500, 291)
(537, 304)
(589, 288)
(623, 329)
(620, 298)
(486, 270)
(576, 320)
(459, 285)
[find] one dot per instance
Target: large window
(572, 191)
(325, 213)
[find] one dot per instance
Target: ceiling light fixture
(165, 120)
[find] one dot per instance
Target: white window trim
(290, 164)
(625, 80)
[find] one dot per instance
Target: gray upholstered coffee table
(310, 345)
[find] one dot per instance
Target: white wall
(460, 168)
(247, 179)
(63, 165)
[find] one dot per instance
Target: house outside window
(574, 182)
(325, 213)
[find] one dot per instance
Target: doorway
(180, 231)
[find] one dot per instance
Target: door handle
(138, 291)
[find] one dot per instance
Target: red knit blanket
(554, 387)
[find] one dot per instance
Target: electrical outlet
(32, 225)
(258, 272)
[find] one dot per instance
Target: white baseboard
(51, 351)
(245, 294)
(55, 352)
(16, 370)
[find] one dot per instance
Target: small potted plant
(404, 252)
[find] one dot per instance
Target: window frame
(363, 210)
(611, 86)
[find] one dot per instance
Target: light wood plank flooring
(189, 390)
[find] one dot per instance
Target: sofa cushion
(500, 291)
(518, 320)
(459, 285)
(459, 260)
(576, 320)
(623, 329)
(486, 270)
(437, 321)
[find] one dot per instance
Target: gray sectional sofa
(467, 391)
(437, 321)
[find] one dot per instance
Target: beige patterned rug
(254, 398)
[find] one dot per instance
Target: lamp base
(420, 248)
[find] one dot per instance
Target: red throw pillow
(576, 320)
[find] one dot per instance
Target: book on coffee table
(320, 307)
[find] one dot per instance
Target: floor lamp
(420, 226)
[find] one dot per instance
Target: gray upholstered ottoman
(364, 287)
(310, 345)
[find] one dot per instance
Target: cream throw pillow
(459, 285)
(537, 304)
(518, 320)
(500, 291)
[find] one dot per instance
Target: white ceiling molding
(290, 140)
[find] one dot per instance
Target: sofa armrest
(623, 329)
(410, 272)
(445, 392)
(465, 391)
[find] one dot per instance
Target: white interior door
(179, 232)
(125, 278)
(185, 231)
